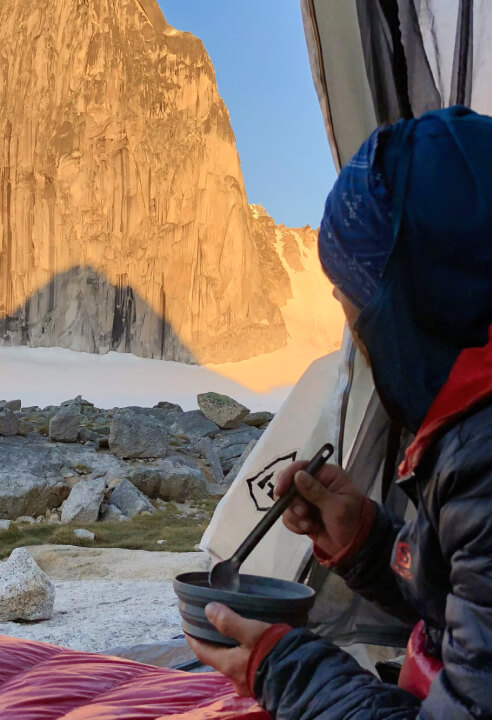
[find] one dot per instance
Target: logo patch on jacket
(403, 561)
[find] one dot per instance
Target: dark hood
(435, 296)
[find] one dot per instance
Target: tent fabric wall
(309, 418)
(375, 62)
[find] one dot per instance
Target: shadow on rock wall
(80, 310)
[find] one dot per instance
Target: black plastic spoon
(225, 575)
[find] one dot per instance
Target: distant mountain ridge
(124, 221)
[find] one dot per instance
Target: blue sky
(262, 67)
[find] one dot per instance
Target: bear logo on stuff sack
(261, 486)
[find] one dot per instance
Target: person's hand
(329, 509)
(231, 662)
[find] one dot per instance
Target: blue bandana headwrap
(407, 236)
(356, 233)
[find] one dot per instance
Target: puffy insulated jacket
(438, 568)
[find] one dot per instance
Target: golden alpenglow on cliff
(124, 221)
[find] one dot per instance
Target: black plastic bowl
(259, 598)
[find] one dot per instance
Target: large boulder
(127, 498)
(66, 424)
(26, 592)
(230, 444)
(222, 410)
(134, 435)
(192, 425)
(11, 404)
(29, 476)
(173, 479)
(84, 501)
(9, 422)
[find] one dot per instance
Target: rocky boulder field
(117, 482)
(79, 464)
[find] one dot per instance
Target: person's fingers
(311, 489)
(334, 478)
(285, 477)
(213, 655)
(300, 508)
(303, 527)
(233, 625)
(331, 476)
(295, 516)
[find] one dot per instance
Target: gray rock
(84, 501)
(112, 513)
(222, 410)
(207, 451)
(9, 423)
(79, 400)
(172, 480)
(86, 435)
(22, 493)
(25, 520)
(24, 428)
(259, 419)
(128, 498)
(50, 411)
(26, 592)
(83, 534)
(191, 425)
(4, 525)
(233, 472)
(169, 406)
(11, 404)
(137, 436)
(35, 473)
(230, 444)
(66, 424)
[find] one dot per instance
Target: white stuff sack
(309, 418)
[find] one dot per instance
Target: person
(406, 239)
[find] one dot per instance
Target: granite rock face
(26, 592)
(124, 210)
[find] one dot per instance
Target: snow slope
(48, 376)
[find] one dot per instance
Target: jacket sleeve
(308, 678)
(369, 572)
(463, 506)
